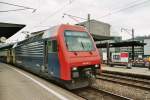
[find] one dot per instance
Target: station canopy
(9, 29)
(101, 38)
(120, 44)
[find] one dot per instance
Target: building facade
(140, 51)
(97, 27)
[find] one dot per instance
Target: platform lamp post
(132, 31)
(133, 54)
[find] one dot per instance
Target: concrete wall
(97, 27)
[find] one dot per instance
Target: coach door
(53, 61)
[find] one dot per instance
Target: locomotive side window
(49, 44)
(52, 46)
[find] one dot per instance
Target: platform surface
(123, 69)
(16, 84)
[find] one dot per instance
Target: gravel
(127, 91)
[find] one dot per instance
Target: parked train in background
(64, 53)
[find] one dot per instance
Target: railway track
(129, 89)
(126, 80)
(91, 93)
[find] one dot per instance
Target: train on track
(64, 53)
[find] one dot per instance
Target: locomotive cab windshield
(78, 41)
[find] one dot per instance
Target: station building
(97, 27)
(140, 51)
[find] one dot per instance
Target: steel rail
(99, 91)
(114, 94)
(128, 82)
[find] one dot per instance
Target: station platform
(17, 84)
(123, 69)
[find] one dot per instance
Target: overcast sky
(118, 13)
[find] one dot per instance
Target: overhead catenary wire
(73, 17)
(55, 12)
(129, 3)
(13, 10)
(123, 9)
(23, 7)
(126, 7)
(17, 5)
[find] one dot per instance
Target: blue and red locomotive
(64, 53)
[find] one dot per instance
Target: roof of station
(5, 46)
(101, 38)
(9, 29)
(121, 44)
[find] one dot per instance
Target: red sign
(124, 55)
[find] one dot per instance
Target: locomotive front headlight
(96, 65)
(74, 68)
